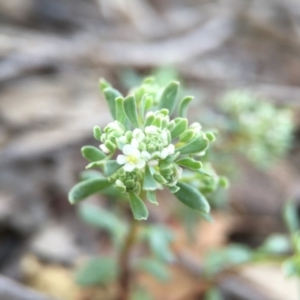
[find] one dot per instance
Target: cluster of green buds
(146, 148)
(256, 128)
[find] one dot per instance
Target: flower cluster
(257, 128)
(145, 149)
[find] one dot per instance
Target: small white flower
(164, 137)
(135, 143)
(138, 134)
(132, 159)
(119, 182)
(104, 148)
(151, 129)
(115, 125)
(164, 153)
(169, 150)
(196, 127)
(152, 163)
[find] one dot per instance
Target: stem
(124, 263)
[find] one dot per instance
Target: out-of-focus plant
(255, 128)
(280, 248)
(145, 149)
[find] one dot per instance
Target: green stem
(124, 263)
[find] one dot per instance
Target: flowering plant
(145, 148)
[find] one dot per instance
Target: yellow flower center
(132, 159)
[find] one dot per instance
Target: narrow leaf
(179, 128)
(189, 163)
(198, 144)
(183, 106)
(138, 207)
(110, 95)
(155, 268)
(97, 271)
(120, 113)
(151, 196)
(191, 197)
(104, 219)
(103, 84)
(110, 167)
(89, 174)
(168, 98)
(291, 217)
(97, 132)
(92, 153)
(86, 188)
(149, 183)
(131, 110)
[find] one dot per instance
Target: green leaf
(97, 271)
(290, 216)
(276, 244)
(155, 268)
(151, 196)
(110, 167)
(110, 95)
(291, 266)
(183, 106)
(233, 255)
(149, 183)
(90, 174)
(92, 153)
(179, 128)
(120, 113)
(130, 109)
(138, 207)
(189, 163)
(104, 219)
(191, 197)
(86, 188)
(168, 98)
(97, 132)
(159, 239)
(103, 84)
(197, 145)
(213, 294)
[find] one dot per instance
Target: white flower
(152, 163)
(138, 134)
(164, 137)
(169, 150)
(151, 129)
(132, 159)
(104, 148)
(115, 125)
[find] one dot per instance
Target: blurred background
(52, 53)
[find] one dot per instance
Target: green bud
(189, 163)
(97, 132)
(223, 182)
(110, 146)
(157, 122)
(171, 125)
(128, 135)
(187, 136)
(149, 119)
(210, 136)
(160, 179)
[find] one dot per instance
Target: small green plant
(147, 147)
(255, 128)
